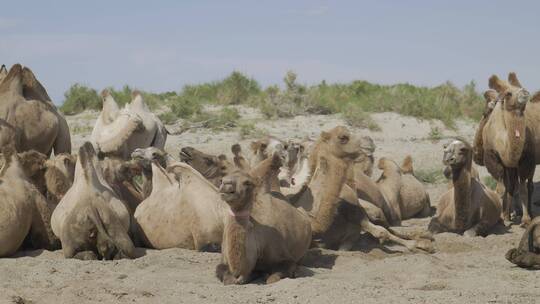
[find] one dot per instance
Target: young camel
(211, 167)
(335, 221)
(510, 139)
(23, 210)
(469, 207)
(261, 233)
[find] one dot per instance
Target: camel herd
(264, 207)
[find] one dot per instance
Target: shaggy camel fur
(90, 220)
(211, 167)
(469, 207)
(336, 222)
(261, 233)
(509, 143)
(29, 111)
(23, 210)
(490, 96)
(118, 132)
(527, 254)
(3, 72)
(51, 177)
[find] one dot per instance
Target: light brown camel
(527, 254)
(263, 148)
(211, 167)
(336, 222)
(469, 207)
(23, 210)
(490, 96)
(509, 143)
(261, 233)
(90, 220)
(118, 132)
(27, 108)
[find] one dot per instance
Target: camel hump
(33, 89)
(536, 97)
(137, 102)
(86, 157)
(513, 80)
(13, 80)
(407, 165)
(135, 93)
(490, 95)
(3, 69)
(497, 84)
(105, 93)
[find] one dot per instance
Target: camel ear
(407, 165)
(325, 136)
(536, 97)
(254, 146)
(513, 80)
(496, 84)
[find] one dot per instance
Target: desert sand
(463, 270)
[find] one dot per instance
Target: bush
(79, 98)
(356, 117)
(431, 176)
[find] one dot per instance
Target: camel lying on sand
(90, 220)
(336, 222)
(23, 210)
(118, 132)
(511, 140)
(27, 112)
(469, 207)
(527, 254)
(261, 233)
(211, 167)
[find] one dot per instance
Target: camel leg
(510, 179)
(383, 235)
(283, 270)
(524, 197)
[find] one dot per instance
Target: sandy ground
(463, 270)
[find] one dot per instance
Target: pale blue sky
(162, 45)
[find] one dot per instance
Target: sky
(162, 45)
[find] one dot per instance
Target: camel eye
(344, 139)
(248, 184)
(508, 94)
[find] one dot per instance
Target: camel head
(457, 154)
(293, 153)
(238, 191)
(342, 143)
(147, 155)
(512, 95)
(33, 163)
(209, 166)
(59, 175)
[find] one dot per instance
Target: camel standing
(468, 207)
(509, 142)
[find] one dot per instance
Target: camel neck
(461, 179)
(515, 131)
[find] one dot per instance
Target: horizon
(162, 48)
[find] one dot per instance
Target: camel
(490, 96)
(27, 108)
(469, 208)
(239, 160)
(261, 233)
(527, 255)
(118, 132)
(51, 177)
(90, 220)
(263, 148)
(3, 72)
(211, 167)
(509, 139)
(335, 221)
(23, 210)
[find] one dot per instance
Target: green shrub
(490, 182)
(356, 117)
(79, 98)
(430, 176)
